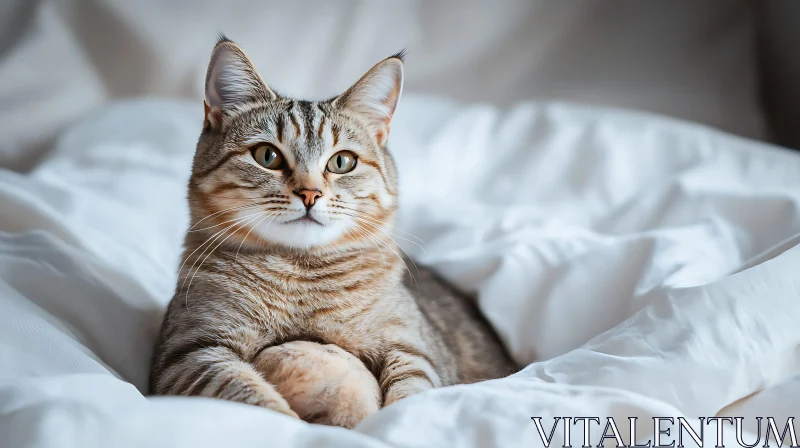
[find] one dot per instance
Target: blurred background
(730, 64)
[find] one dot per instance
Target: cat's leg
(218, 372)
(323, 383)
(406, 371)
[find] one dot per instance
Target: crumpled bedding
(637, 266)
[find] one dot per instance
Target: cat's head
(300, 174)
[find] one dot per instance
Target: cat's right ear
(231, 81)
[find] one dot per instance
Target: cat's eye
(268, 156)
(342, 162)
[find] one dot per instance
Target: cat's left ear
(375, 96)
(231, 81)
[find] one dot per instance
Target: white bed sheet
(647, 264)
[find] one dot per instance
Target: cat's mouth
(305, 219)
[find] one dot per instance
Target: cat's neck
(355, 252)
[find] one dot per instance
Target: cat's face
(300, 174)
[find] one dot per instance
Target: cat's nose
(309, 197)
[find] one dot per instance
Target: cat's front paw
(323, 383)
(405, 388)
(282, 407)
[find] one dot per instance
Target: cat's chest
(346, 307)
(304, 301)
(355, 320)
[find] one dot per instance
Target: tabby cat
(292, 295)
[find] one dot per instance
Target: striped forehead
(304, 129)
(299, 127)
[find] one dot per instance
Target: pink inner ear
(213, 116)
(391, 101)
(383, 134)
(375, 96)
(391, 104)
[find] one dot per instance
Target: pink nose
(309, 196)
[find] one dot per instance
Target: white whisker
(377, 226)
(210, 239)
(377, 246)
(238, 207)
(225, 222)
(399, 257)
(273, 215)
(419, 240)
(201, 246)
(212, 251)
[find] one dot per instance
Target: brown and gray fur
(318, 320)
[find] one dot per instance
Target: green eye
(268, 156)
(342, 162)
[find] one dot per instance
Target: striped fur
(318, 320)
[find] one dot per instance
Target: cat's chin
(301, 233)
(304, 220)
